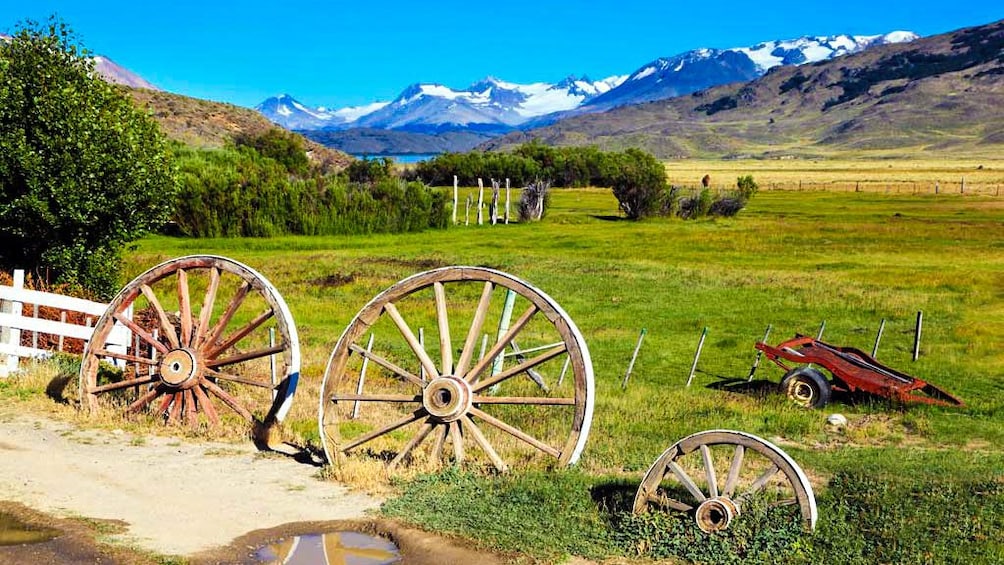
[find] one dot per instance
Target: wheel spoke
(733, 477)
(761, 481)
(165, 403)
(501, 344)
(414, 416)
(457, 438)
(517, 369)
(175, 415)
(185, 303)
(480, 439)
(404, 374)
(785, 502)
(239, 379)
(165, 324)
(413, 343)
(475, 332)
(145, 399)
(239, 334)
(516, 433)
(437, 447)
(687, 482)
(190, 415)
(417, 439)
(125, 357)
(535, 400)
(206, 405)
(230, 401)
(228, 314)
(709, 471)
(122, 384)
(207, 307)
(445, 343)
(374, 398)
(256, 354)
(143, 334)
(667, 502)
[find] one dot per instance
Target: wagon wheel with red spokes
(460, 364)
(195, 339)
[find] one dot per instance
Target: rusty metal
(854, 370)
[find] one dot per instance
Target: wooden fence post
(697, 355)
(878, 338)
(12, 336)
(481, 200)
(634, 356)
(507, 201)
(454, 199)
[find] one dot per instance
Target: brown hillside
(206, 124)
(939, 94)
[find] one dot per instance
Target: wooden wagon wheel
(504, 377)
(686, 479)
(237, 356)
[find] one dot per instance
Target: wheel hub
(802, 392)
(179, 369)
(447, 398)
(715, 514)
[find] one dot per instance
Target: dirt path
(177, 497)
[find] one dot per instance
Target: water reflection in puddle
(331, 548)
(15, 532)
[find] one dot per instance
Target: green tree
(82, 171)
(638, 182)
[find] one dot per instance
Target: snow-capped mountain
(703, 68)
(488, 105)
(492, 106)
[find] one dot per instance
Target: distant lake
(406, 158)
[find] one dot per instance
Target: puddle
(15, 532)
(349, 548)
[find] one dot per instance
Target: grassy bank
(792, 260)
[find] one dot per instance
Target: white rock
(838, 420)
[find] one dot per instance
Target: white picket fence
(19, 313)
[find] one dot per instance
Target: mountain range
(424, 113)
(937, 94)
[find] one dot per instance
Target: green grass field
(908, 485)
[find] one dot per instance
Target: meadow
(905, 484)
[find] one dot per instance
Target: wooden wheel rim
(581, 371)
(705, 514)
(179, 369)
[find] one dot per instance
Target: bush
(370, 170)
(534, 201)
(285, 147)
(639, 183)
(235, 192)
(82, 170)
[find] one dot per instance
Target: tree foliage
(82, 171)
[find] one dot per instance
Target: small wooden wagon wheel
(238, 355)
(486, 367)
(687, 478)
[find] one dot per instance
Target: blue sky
(338, 54)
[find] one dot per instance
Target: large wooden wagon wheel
(715, 475)
(208, 338)
(461, 364)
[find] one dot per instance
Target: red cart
(852, 369)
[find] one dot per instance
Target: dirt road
(177, 497)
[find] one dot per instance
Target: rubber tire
(806, 380)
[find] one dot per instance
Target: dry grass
(905, 176)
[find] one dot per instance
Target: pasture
(909, 484)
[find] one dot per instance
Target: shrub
(639, 183)
(283, 146)
(534, 201)
(370, 170)
(82, 170)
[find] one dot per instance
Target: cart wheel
(237, 356)
(518, 385)
(807, 387)
(684, 480)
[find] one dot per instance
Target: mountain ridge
(939, 93)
